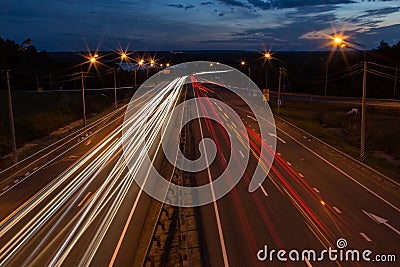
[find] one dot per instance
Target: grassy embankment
(330, 123)
(36, 115)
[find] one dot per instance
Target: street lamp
(268, 57)
(92, 60)
(243, 63)
(339, 41)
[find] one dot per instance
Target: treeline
(334, 72)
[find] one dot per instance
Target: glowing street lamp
(92, 60)
(268, 57)
(339, 41)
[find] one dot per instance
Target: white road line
(344, 173)
(16, 181)
(279, 154)
(27, 174)
(366, 237)
(241, 154)
(337, 210)
(263, 190)
(216, 211)
(226, 115)
(5, 188)
(83, 200)
(288, 163)
(316, 190)
(301, 175)
(307, 262)
(277, 137)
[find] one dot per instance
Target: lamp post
(268, 57)
(92, 60)
(83, 99)
(279, 89)
(349, 44)
(243, 63)
(11, 115)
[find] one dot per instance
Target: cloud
(382, 12)
(176, 5)
(181, 6)
(233, 3)
(281, 4)
(206, 3)
(220, 14)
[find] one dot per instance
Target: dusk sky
(65, 25)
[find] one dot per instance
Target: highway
(312, 198)
(85, 209)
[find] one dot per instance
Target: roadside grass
(330, 123)
(36, 115)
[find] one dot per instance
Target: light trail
(141, 132)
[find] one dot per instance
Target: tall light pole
(115, 87)
(11, 115)
(83, 100)
(279, 89)
(92, 60)
(326, 79)
(268, 57)
(349, 44)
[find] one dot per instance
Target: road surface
(84, 208)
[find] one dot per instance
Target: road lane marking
(366, 237)
(263, 190)
(279, 154)
(241, 154)
(316, 190)
(27, 174)
(277, 137)
(83, 200)
(288, 163)
(301, 175)
(337, 210)
(16, 181)
(5, 188)
(216, 211)
(226, 115)
(342, 172)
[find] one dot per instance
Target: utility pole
(395, 83)
(248, 88)
(363, 109)
(326, 79)
(279, 88)
(134, 73)
(266, 76)
(115, 88)
(10, 112)
(83, 100)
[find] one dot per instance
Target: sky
(256, 25)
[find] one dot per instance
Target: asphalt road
(313, 197)
(84, 208)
